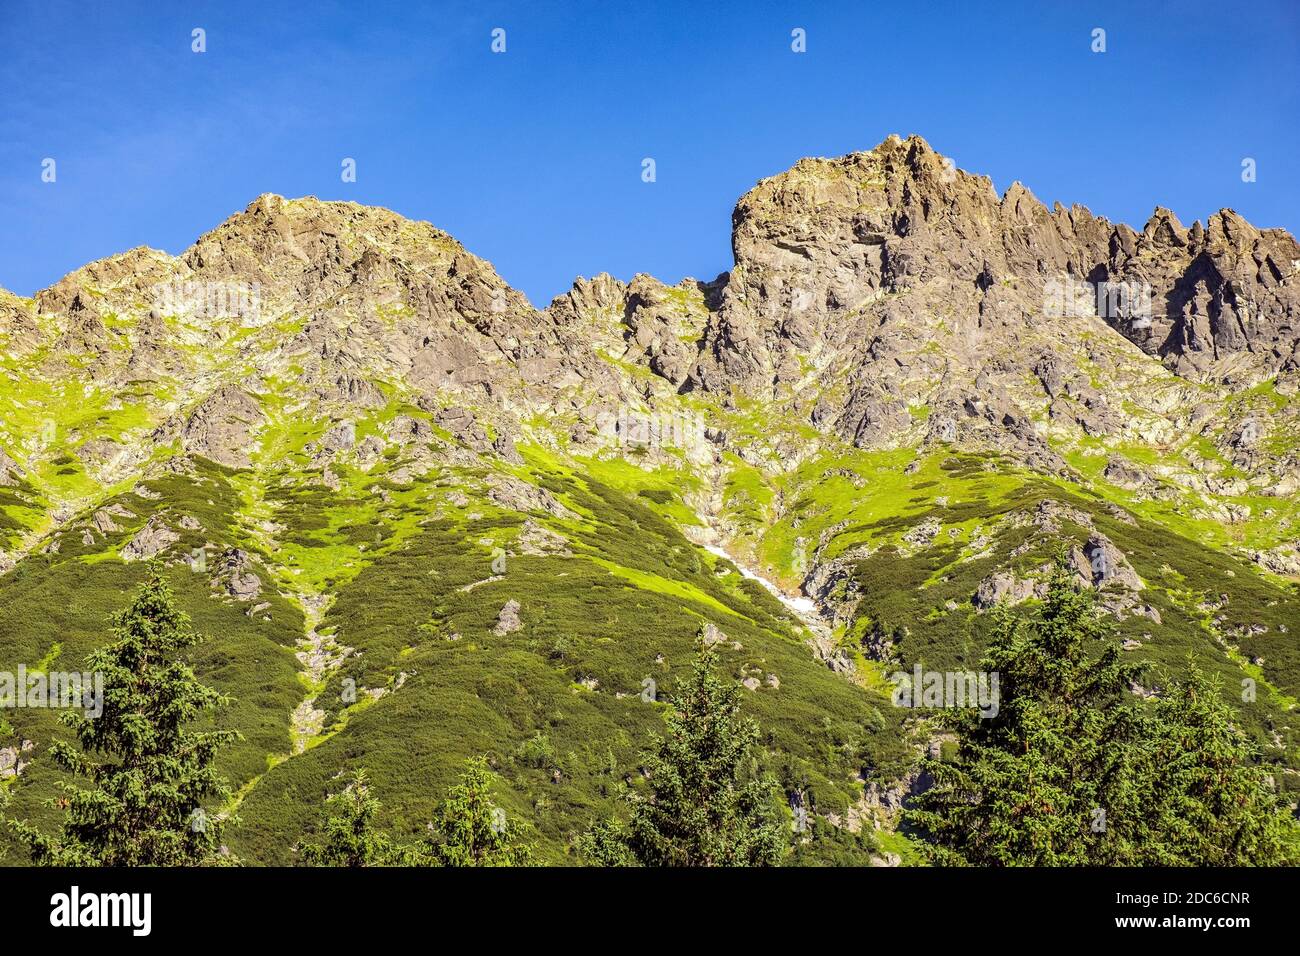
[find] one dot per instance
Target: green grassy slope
(557, 704)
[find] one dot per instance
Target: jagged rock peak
(828, 238)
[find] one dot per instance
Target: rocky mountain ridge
(885, 298)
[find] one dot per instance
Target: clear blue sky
(532, 158)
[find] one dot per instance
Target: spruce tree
(149, 771)
(1074, 770)
(470, 830)
(1032, 784)
(1212, 802)
(349, 835)
(708, 805)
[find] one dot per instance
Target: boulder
(508, 619)
(150, 540)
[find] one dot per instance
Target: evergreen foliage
(470, 830)
(149, 770)
(1074, 770)
(708, 805)
(350, 837)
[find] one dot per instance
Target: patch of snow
(803, 606)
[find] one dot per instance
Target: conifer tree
(470, 830)
(149, 771)
(349, 835)
(1029, 782)
(1074, 770)
(708, 805)
(1213, 803)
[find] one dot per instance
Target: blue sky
(532, 158)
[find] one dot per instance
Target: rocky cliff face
(376, 294)
(863, 286)
(824, 250)
(1225, 294)
(890, 279)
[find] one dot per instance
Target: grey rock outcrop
(221, 427)
(508, 619)
(10, 471)
(1005, 587)
(233, 575)
(150, 540)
